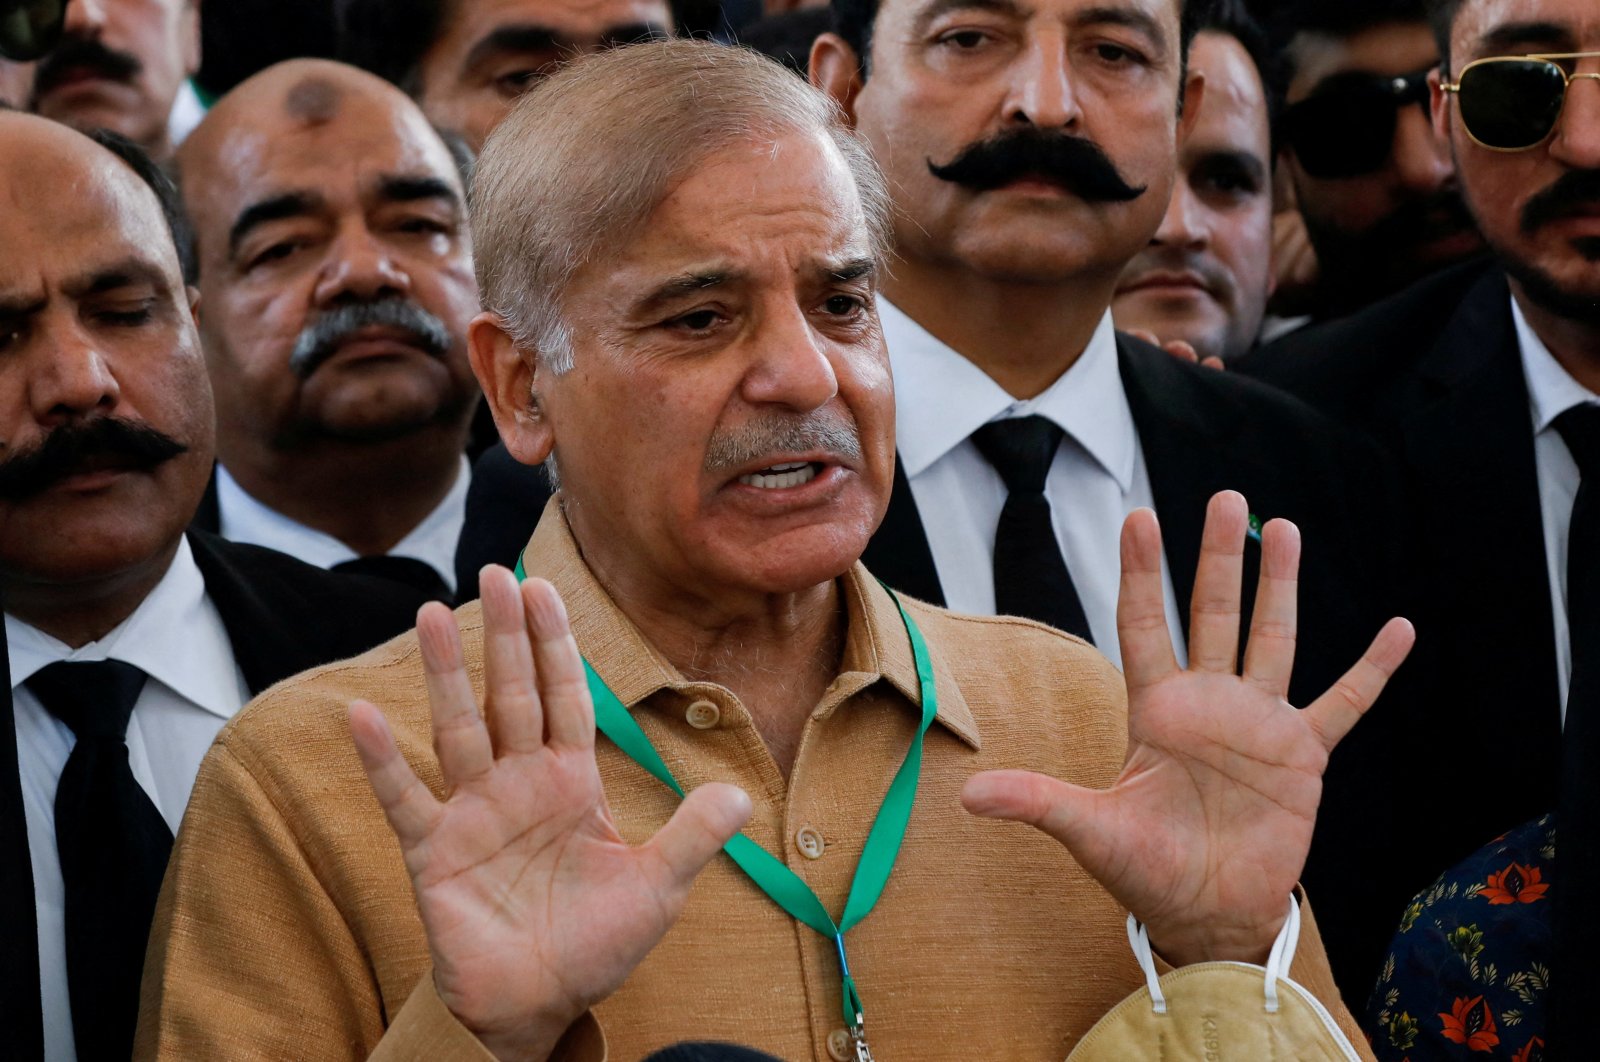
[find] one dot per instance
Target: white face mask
(1218, 1012)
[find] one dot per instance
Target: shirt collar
(941, 398)
(175, 636)
(242, 518)
(1551, 389)
(875, 638)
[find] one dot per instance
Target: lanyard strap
(782, 885)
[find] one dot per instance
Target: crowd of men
(1074, 393)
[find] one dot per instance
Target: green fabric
(781, 884)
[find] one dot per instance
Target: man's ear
(836, 70)
(189, 31)
(1194, 97)
(1438, 105)
(508, 377)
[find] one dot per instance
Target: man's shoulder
(1346, 364)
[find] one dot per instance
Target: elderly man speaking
(678, 246)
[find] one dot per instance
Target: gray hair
(583, 159)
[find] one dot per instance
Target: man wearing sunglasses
(1375, 191)
(1485, 384)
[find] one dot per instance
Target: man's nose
(360, 267)
(86, 18)
(72, 377)
(1421, 160)
(1041, 92)
(793, 368)
(1185, 223)
(1576, 140)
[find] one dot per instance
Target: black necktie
(407, 570)
(1576, 882)
(1030, 575)
(113, 845)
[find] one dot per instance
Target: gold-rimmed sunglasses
(1512, 102)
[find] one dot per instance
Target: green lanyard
(781, 884)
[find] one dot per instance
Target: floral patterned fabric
(1467, 971)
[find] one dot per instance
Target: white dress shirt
(177, 638)
(1098, 476)
(1551, 392)
(433, 541)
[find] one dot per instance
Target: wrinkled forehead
(60, 217)
(765, 213)
(1515, 27)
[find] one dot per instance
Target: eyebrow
(683, 285)
(522, 37)
(1515, 35)
(287, 205)
(939, 8)
(404, 188)
(129, 272)
(854, 269)
(1122, 15)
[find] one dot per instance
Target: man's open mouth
(784, 476)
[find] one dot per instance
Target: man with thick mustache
(1482, 382)
(336, 274)
(124, 65)
(131, 643)
(680, 310)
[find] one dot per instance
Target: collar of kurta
(876, 647)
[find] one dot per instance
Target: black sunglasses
(1512, 102)
(1346, 127)
(30, 28)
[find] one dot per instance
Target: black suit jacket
(282, 617)
(1435, 375)
(1202, 431)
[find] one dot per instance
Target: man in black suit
(130, 642)
(1484, 384)
(1027, 429)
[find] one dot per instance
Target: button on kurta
(810, 843)
(703, 715)
(839, 1045)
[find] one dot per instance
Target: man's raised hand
(1205, 832)
(535, 908)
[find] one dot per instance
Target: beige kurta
(288, 927)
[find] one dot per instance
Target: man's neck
(1023, 336)
(76, 614)
(369, 496)
(1574, 344)
(777, 653)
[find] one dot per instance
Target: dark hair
(853, 20)
(1233, 18)
(788, 37)
(166, 193)
(387, 37)
(1442, 17)
(1339, 19)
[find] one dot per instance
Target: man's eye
(129, 318)
(698, 321)
(9, 337)
(964, 40)
(517, 82)
(425, 227)
(276, 253)
(844, 305)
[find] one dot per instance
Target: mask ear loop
(1282, 955)
(1139, 940)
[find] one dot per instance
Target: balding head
(105, 414)
(329, 216)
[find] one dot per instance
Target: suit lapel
(20, 1004)
(898, 552)
(1469, 448)
(209, 516)
(1191, 450)
(262, 646)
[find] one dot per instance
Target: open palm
(535, 908)
(1206, 830)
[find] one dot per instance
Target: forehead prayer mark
(314, 101)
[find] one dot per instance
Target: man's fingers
(408, 805)
(1269, 655)
(459, 736)
(708, 817)
(511, 699)
(1214, 606)
(563, 686)
(1141, 604)
(1333, 714)
(1182, 350)
(1064, 811)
